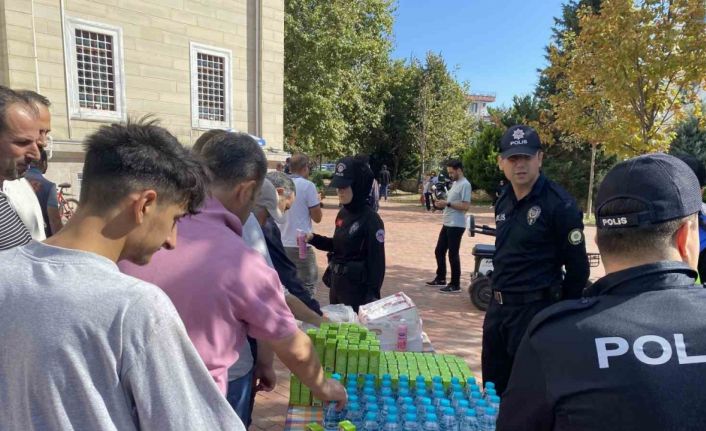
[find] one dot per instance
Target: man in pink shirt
(224, 290)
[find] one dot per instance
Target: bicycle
(67, 206)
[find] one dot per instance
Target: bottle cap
(386, 377)
(489, 385)
(461, 403)
(371, 416)
(353, 406)
(432, 417)
(408, 400)
(449, 411)
(391, 419)
(481, 403)
(454, 380)
(490, 411)
(426, 401)
(436, 379)
(471, 381)
(336, 376)
(475, 395)
(471, 412)
(404, 377)
(388, 401)
(410, 417)
(444, 403)
(495, 399)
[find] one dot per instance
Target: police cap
(344, 173)
(665, 186)
(520, 139)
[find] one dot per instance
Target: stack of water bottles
(414, 405)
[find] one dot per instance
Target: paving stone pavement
(453, 324)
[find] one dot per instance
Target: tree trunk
(589, 201)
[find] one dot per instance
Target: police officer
(539, 231)
(357, 264)
(633, 357)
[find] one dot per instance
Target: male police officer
(539, 230)
(634, 356)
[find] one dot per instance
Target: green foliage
(318, 176)
(334, 54)
(480, 161)
(690, 139)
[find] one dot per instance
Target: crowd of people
(163, 301)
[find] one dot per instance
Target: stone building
(194, 64)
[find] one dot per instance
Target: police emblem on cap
(575, 236)
(533, 214)
(518, 134)
(341, 167)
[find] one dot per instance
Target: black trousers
(503, 329)
(449, 240)
(427, 200)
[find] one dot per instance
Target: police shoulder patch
(380, 235)
(575, 236)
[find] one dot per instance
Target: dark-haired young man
(85, 346)
(455, 207)
(223, 289)
(631, 357)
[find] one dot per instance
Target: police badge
(533, 214)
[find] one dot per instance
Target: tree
(443, 126)
(480, 160)
(628, 74)
(334, 54)
(690, 139)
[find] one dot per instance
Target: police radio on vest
(617, 221)
(611, 347)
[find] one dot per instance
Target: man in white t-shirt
(306, 207)
(455, 206)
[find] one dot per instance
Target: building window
(210, 87)
(94, 69)
(474, 108)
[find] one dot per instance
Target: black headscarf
(356, 172)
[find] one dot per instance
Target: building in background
(195, 65)
(478, 104)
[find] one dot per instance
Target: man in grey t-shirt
(455, 206)
(84, 346)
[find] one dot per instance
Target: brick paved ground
(453, 324)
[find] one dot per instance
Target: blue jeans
(383, 191)
(240, 396)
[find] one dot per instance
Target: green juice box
(305, 395)
(346, 426)
(294, 391)
(330, 355)
(320, 346)
(313, 426)
(352, 360)
(374, 360)
(363, 359)
(342, 358)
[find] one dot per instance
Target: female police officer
(357, 265)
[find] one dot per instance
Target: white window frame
(75, 110)
(227, 55)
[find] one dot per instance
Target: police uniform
(357, 250)
(535, 237)
(633, 357)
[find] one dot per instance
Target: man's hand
(309, 236)
(265, 378)
(332, 390)
(442, 204)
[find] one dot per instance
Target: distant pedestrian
(426, 190)
(384, 181)
(287, 167)
(279, 167)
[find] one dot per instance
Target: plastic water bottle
(469, 422)
(481, 405)
(419, 394)
(332, 416)
(410, 422)
(443, 405)
(489, 385)
(455, 387)
(490, 392)
(402, 400)
(487, 422)
(375, 410)
(402, 336)
(391, 423)
(494, 402)
(448, 420)
(371, 400)
(426, 407)
(371, 422)
(436, 379)
(461, 409)
(387, 402)
(355, 415)
(420, 383)
(431, 422)
(456, 397)
(437, 386)
(475, 397)
(386, 392)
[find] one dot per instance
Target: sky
(496, 45)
